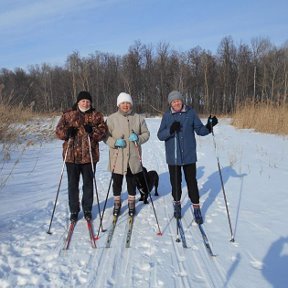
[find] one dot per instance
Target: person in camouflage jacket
(76, 127)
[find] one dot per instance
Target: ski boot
(88, 215)
(74, 217)
(177, 209)
(117, 206)
(131, 205)
(197, 214)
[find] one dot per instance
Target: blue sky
(47, 31)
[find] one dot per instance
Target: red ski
(69, 236)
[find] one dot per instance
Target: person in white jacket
(127, 131)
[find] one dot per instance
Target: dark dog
(152, 179)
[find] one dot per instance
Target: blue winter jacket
(184, 152)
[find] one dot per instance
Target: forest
(212, 83)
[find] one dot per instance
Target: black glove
(175, 127)
(88, 128)
(211, 122)
(71, 132)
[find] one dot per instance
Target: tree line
(210, 83)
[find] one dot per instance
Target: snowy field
(254, 168)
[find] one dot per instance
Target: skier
(127, 130)
(177, 129)
(75, 126)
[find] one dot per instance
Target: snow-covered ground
(254, 168)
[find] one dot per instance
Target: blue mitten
(133, 137)
(120, 143)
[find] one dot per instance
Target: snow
(254, 169)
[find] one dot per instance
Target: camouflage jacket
(78, 150)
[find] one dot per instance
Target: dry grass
(19, 125)
(263, 117)
(10, 115)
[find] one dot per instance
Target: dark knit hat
(174, 95)
(84, 95)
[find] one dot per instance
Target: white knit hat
(124, 97)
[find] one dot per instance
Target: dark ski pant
(74, 171)
(190, 177)
(118, 180)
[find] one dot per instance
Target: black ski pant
(74, 171)
(190, 177)
(118, 180)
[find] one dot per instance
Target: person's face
(177, 105)
(84, 104)
(125, 106)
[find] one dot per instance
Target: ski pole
(177, 232)
(107, 195)
(146, 183)
(94, 180)
(59, 184)
(222, 183)
(176, 143)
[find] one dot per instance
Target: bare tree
(163, 83)
(259, 47)
(211, 83)
(227, 73)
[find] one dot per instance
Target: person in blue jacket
(178, 127)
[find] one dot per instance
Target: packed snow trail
(253, 165)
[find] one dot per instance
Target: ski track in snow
(32, 258)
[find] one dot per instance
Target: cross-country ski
(69, 235)
(180, 231)
(129, 231)
(111, 231)
(205, 240)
